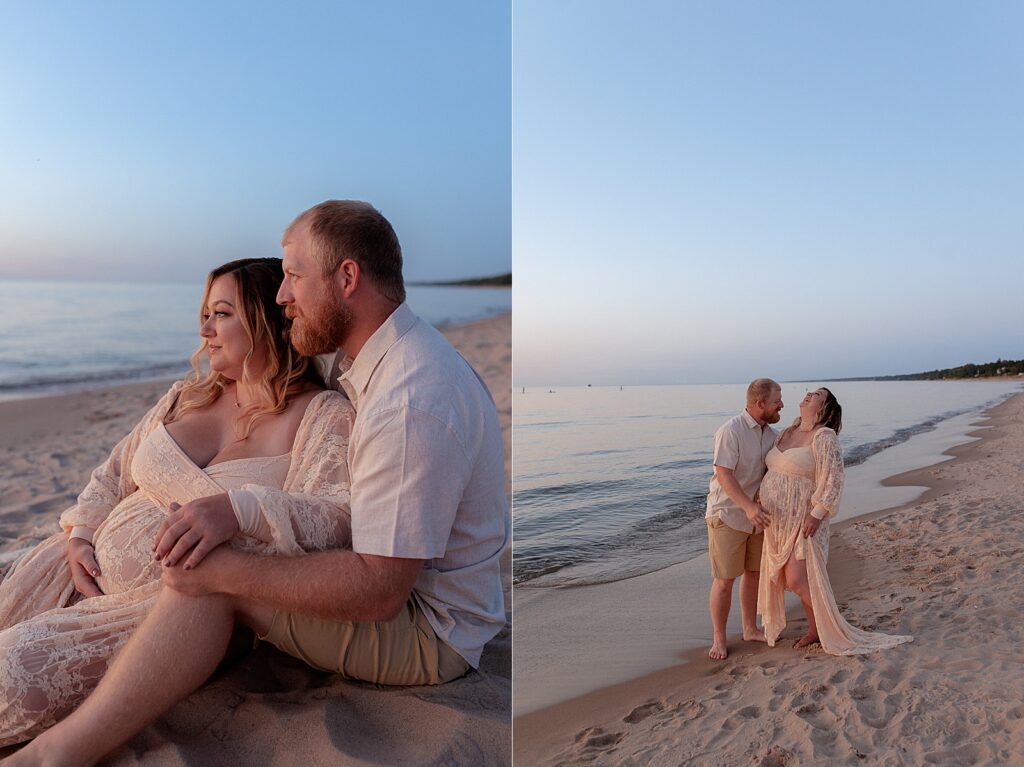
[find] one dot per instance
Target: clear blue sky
(156, 140)
(706, 192)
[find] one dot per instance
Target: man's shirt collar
(356, 373)
(750, 421)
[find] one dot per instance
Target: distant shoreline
(497, 281)
(911, 377)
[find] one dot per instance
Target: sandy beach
(267, 708)
(941, 568)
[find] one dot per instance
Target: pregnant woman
(258, 420)
(800, 492)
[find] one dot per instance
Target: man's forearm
(337, 584)
(732, 488)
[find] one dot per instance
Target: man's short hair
(760, 390)
(341, 229)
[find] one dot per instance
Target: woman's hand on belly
(84, 568)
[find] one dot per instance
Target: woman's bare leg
(175, 650)
(796, 581)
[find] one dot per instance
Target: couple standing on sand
(769, 505)
(361, 533)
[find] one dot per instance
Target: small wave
(43, 384)
(652, 542)
(692, 463)
(861, 453)
(569, 490)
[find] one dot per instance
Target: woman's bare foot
(806, 639)
(754, 635)
(718, 650)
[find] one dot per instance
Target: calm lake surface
(610, 483)
(63, 336)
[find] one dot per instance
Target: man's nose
(284, 295)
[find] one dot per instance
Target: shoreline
(547, 615)
(542, 732)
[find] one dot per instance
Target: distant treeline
(970, 370)
(498, 281)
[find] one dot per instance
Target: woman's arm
(828, 474)
(112, 481)
(109, 483)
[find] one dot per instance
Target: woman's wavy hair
(287, 373)
(830, 415)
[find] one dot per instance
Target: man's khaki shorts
(732, 551)
(404, 651)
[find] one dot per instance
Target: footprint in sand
(596, 739)
(691, 709)
(643, 711)
(776, 757)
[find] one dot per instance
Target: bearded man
(419, 594)
(735, 520)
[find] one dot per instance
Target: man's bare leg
(175, 650)
(748, 606)
(721, 601)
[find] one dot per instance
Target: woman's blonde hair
(257, 281)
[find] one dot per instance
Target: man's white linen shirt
(741, 444)
(427, 463)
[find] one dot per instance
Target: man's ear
(347, 277)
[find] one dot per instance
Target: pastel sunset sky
(708, 192)
(152, 141)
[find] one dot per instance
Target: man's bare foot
(754, 635)
(806, 639)
(718, 650)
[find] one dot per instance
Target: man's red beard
(321, 332)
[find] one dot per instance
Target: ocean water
(64, 336)
(611, 483)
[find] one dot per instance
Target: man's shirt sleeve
(409, 474)
(727, 448)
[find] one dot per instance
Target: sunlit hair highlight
(287, 372)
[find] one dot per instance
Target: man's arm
(727, 480)
(336, 584)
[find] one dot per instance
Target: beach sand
(268, 708)
(944, 568)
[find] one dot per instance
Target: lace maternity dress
(798, 480)
(55, 646)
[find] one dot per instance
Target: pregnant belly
(124, 545)
(785, 493)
